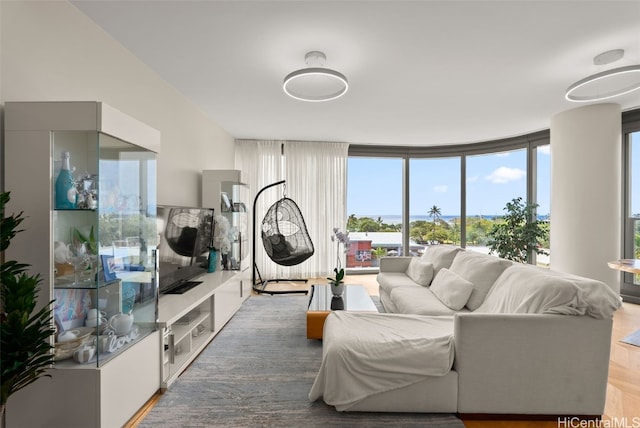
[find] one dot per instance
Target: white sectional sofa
(470, 333)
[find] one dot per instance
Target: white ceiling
(420, 72)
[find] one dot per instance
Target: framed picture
(109, 267)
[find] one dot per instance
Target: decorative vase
(337, 303)
(337, 288)
(213, 261)
(225, 262)
(66, 193)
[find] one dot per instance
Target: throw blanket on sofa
(374, 353)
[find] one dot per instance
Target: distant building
(362, 243)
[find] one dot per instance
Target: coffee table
(354, 299)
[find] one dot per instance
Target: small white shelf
(220, 289)
(181, 331)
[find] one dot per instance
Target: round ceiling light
(606, 84)
(315, 83)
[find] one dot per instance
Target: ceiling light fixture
(606, 84)
(315, 83)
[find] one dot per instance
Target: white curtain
(316, 180)
(260, 164)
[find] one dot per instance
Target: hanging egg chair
(284, 237)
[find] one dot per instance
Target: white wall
(51, 52)
(586, 162)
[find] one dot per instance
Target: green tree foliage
(519, 234)
(367, 224)
(24, 331)
(477, 230)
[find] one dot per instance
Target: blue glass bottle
(213, 260)
(65, 197)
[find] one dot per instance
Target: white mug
(134, 333)
(107, 342)
(84, 353)
(121, 323)
(121, 341)
(94, 313)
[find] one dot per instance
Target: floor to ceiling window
(492, 181)
(434, 202)
(543, 198)
(402, 199)
(374, 209)
(630, 286)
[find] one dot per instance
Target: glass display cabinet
(104, 241)
(84, 174)
(224, 191)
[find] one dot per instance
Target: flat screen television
(183, 244)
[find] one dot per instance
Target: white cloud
(545, 150)
(502, 154)
(472, 179)
(505, 174)
(442, 188)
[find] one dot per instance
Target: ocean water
(397, 219)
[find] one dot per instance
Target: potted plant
(24, 331)
(377, 254)
(518, 237)
(336, 283)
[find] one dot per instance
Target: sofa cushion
(479, 269)
(525, 289)
(368, 354)
(440, 256)
(419, 301)
(420, 271)
(390, 280)
(600, 299)
(451, 289)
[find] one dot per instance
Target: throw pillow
(420, 271)
(440, 256)
(481, 270)
(527, 289)
(451, 289)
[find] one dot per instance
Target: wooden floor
(623, 389)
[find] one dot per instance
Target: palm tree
(352, 223)
(434, 213)
(379, 221)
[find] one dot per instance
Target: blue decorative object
(213, 260)
(128, 297)
(65, 187)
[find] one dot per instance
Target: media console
(189, 321)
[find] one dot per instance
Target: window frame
(530, 142)
(629, 291)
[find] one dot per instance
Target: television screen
(183, 244)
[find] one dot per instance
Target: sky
(374, 185)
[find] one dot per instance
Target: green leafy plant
(518, 237)
(24, 331)
(79, 237)
(379, 252)
(339, 276)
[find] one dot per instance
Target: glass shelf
(68, 282)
